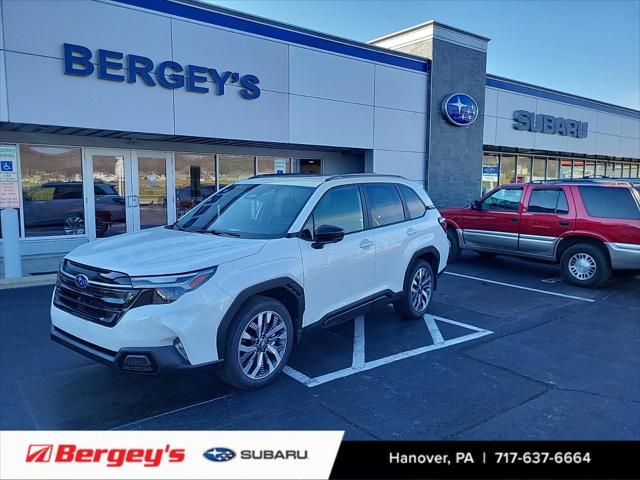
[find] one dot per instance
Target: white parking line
(360, 365)
(358, 342)
(583, 299)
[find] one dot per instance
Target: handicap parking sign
(6, 166)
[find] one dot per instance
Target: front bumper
(149, 360)
(624, 256)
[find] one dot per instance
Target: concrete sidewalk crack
(348, 420)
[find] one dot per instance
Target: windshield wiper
(222, 233)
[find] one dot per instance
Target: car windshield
(247, 211)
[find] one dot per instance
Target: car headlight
(168, 288)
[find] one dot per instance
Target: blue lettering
(583, 129)
(219, 80)
(522, 120)
(77, 55)
(548, 124)
(560, 126)
(133, 69)
(177, 81)
(250, 90)
(193, 78)
(105, 63)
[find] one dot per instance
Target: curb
(30, 281)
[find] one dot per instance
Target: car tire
(251, 359)
(418, 284)
(454, 244)
(585, 265)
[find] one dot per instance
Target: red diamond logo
(39, 453)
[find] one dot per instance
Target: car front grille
(105, 299)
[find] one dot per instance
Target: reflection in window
(234, 167)
(552, 169)
(384, 204)
(152, 186)
(109, 191)
(578, 169)
(52, 190)
(490, 171)
(507, 169)
(268, 165)
(617, 170)
(589, 169)
(195, 179)
(538, 168)
(565, 168)
(340, 207)
(505, 200)
(523, 170)
(601, 169)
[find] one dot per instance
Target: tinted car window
(414, 204)
(384, 204)
(548, 201)
(341, 207)
(609, 202)
(504, 200)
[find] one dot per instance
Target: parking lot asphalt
(509, 351)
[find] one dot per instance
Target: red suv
(589, 227)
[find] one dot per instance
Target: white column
(11, 242)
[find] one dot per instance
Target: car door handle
(411, 231)
(366, 244)
(514, 219)
(564, 223)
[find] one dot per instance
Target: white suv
(247, 271)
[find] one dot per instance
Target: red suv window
(548, 200)
(610, 202)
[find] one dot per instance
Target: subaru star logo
(460, 109)
(81, 280)
(219, 454)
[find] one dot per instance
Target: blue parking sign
(6, 166)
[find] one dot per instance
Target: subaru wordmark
(243, 274)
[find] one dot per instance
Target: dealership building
(120, 115)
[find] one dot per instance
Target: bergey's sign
(540, 123)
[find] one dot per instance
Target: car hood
(158, 251)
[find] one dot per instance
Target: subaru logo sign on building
(81, 280)
(460, 109)
(219, 454)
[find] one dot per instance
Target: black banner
(495, 460)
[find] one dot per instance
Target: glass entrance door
(129, 191)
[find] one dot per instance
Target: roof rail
(602, 179)
(298, 174)
(351, 175)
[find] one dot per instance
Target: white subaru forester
(243, 274)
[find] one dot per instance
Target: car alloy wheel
(74, 225)
(582, 266)
(421, 287)
(262, 345)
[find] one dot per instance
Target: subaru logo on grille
(219, 454)
(460, 109)
(81, 280)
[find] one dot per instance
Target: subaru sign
(460, 109)
(540, 123)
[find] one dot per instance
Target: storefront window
(490, 171)
(538, 168)
(589, 169)
(617, 170)
(234, 167)
(626, 170)
(268, 165)
(635, 171)
(601, 169)
(552, 169)
(52, 191)
(565, 168)
(523, 170)
(507, 169)
(578, 169)
(195, 179)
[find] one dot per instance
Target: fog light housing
(137, 363)
(180, 348)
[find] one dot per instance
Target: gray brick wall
(455, 153)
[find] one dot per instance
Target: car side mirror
(476, 205)
(327, 234)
